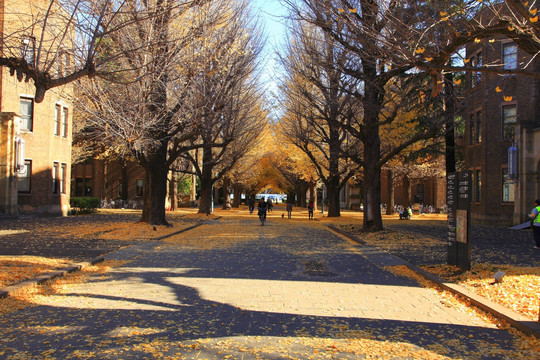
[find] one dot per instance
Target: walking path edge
(515, 319)
(15, 289)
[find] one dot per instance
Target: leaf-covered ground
(493, 249)
(334, 339)
(101, 313)
(32, 246)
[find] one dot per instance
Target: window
(508, 121)
(63, 173)
(65, 114)
(478, 119)
(509, 56)
(26, 112)
(83, 186)
(475, 128)
(55, 177)
(62, 63)
(24, 185)
(476, 77)
(28, 49)
(57, 117)
(507, 187)
(477, 185)
(476, 182)
(140, 185)
(79, 187)
(87, 187)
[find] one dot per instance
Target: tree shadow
(144, 307)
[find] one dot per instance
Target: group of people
(266, 206)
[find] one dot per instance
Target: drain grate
(316, 268)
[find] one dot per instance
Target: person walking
(251, 203)
(535, 223)
(262, 207)
(289, 209)
(310, 209)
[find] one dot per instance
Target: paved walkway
(234, 289)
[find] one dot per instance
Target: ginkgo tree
(226, 112)
(318, 101)
(384, 90)
(63, 40)
(149, 105)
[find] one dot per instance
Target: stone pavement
(234, 289)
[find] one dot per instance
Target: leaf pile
(518, 290)
(14, 269)
(528, 343)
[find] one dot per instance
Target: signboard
(451, 202)
(458, 199)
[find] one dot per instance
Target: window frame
(513, 63)
(64, 122)
(55, 177)
(27, 176)
(57, 118)
(505, 124)
(63, 178)
(509, 184)
(28, 49)
(26, 119)
(139, 187)
(476, 76)
(478, 185)
(478, 119)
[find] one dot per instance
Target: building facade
(39, 135)
(501, 111)
(117, 184)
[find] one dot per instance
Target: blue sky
(272, 16)
(272, 13)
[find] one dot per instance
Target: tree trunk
(391, 191)
(312, 193)
(207, 182)
(372, 205)
(333, 190)
(449, 113)
(193, 193)
(155, 188)
(237, 192)
(226, 194)
(173, 192)
(372, 155)
(291, 197)
(302, 196)
(407, 186)
(205, 201)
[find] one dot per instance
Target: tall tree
(384, 89)
(318, 102)
(141, 117)
(31, 52)
(226, 101)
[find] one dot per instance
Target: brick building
(39, 181)
(501, 111)
(109, 180)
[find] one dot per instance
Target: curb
(26, 284)
(20, 287)
(520, 322)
